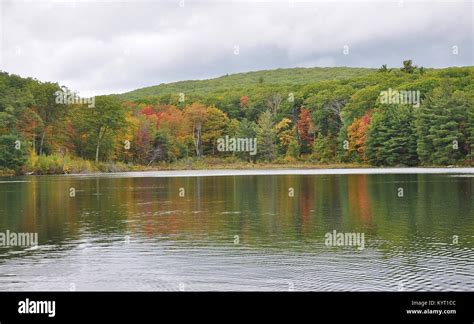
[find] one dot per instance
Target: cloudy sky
(99, 47)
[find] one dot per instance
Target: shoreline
(223, 169)
(282, 171)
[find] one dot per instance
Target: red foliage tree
(244, 102)
(305, 126)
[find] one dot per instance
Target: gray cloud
(100, 47)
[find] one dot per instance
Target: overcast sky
(98, 47)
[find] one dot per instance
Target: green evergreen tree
(12, 152)
(443, 127)
(408, 67)
(266, 136)
(424, 117)
(391, 137)
(247, 129)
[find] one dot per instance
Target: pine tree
(401, 145)
(377, 131)
(391, 138)
(12, 152)
(443, 127)
(424, 117)
(266, 136)
(247, 129)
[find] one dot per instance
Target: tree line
(346, 120)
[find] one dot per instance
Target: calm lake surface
(239, 232)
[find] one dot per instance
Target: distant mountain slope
(266, 77)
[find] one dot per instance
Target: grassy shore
(57, 164)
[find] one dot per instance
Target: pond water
(231, 230)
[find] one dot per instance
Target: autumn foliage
(357, 134)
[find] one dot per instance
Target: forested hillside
(241, 81)
(407, 116)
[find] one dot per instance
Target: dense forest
(408, 116)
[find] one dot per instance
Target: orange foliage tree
(357, 134)
(244, 101)
(305, 128)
